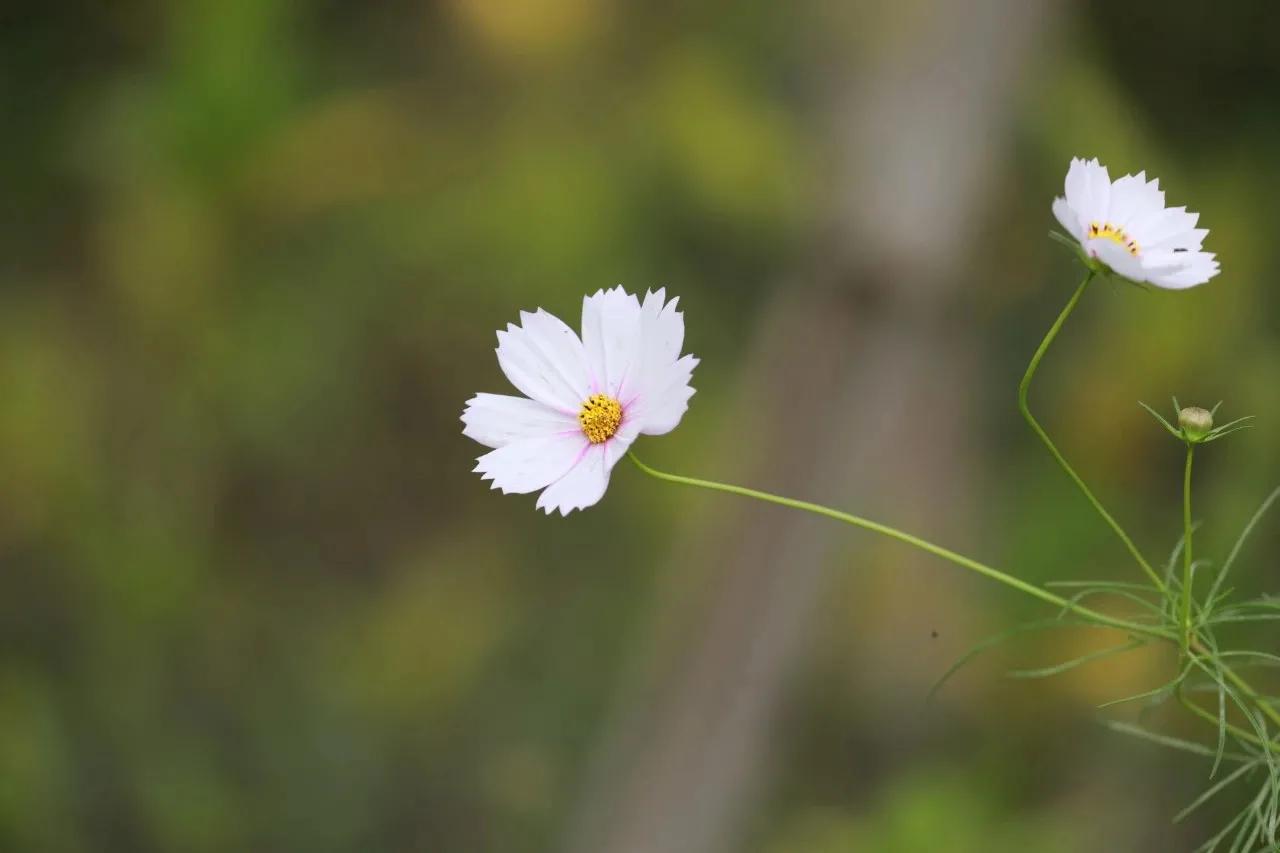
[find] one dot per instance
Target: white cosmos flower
(586, 399)
(1126, 226)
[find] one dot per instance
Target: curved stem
(1025, 386)
(1186, 550)
(916, 541)
(1190, 645)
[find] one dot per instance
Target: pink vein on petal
(581, 453)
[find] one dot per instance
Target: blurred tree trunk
(860, 381)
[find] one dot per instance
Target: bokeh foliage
(251, 256)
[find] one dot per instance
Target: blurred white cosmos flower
(586, 399)
(1125, 225)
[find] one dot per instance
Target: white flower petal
(583, 486)
(628, 350)
(662, 327)
(1076, 187)
(587, 481)
(1190, 241)
(1183, 280)
(661, 396)
(1131, 210)
(1067, 218)
(1167, 260)
(562, 346)
(662, 405)
(617, 447)
(1117, 258)
(545, 360)
(1150, 201)
(496, 420)
(611, 338)
(1162, 225)
(1099, 191)
(532, 463)
(1129, 200)
(1197, 268)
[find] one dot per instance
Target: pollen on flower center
(600, 417)
(1107, 231)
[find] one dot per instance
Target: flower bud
(1195, 422)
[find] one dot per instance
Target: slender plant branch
(995, 574)
(1186, 551)
(1242, 734)
(916, 541)
(1025, 386)
(1239, 681)
(1186, 638)
(1190, 644)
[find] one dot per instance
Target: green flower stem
(901, 536)
(1025, 386)
(1186, 550)
(1189, 643)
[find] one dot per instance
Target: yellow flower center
(1107, 231)
(600, 417)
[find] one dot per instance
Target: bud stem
(1186, 551)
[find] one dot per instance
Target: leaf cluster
(1245, 748)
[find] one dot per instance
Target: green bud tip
(1195, 422)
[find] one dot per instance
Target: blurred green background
(252, 257)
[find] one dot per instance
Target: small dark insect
(933, 634)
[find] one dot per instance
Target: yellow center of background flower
(600, 417)
(1107, 231)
